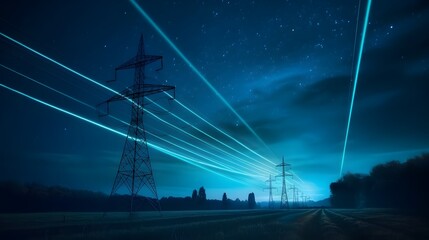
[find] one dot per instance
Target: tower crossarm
(133, 93)
(134, 62)
(286, 175)
(144, 90)
(283, 165)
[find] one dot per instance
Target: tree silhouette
(202, 198)
(17, 197)
(389, 185)
(194, 195)
(224, 201)
(346, 192)
(251, 200)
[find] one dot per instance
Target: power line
(194, 69)
(120, 95)
(154, 146)
(219, 130)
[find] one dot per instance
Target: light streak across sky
(65, 67)
(224, 167)
(194, 69)
(154, 146)
(212, 154)
(368, 8)
(64, 111)
(46, 86)
(199, 139)
(103, 86)
(116, 92)
(58, 63)
(289, 92)
(218, 129)
(206, 134)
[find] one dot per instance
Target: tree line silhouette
(17, 197)
(390, 185)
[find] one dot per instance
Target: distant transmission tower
(303, 199)
(294, 194)
(135, 170)
(297, 197)
(270, 188)
(284, 203)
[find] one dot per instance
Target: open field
(251, 224)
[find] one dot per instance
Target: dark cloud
(330, 92)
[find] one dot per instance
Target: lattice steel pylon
(135, 169)
(270, 188)
(294, 194)
(284, 203)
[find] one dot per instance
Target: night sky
(285, 66)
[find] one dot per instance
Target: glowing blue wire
(218, 129)
(161, 149)
(211, 145)
(207, 152)
(206, 134)
(80, 75)
(193, 68)
(225, 168)
(368, 8)
(58, 63)
(107, 88)
(46, 86)
(64, 111)
(89, 79)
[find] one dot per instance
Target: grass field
(249, 224)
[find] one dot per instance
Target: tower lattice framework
(294, 198)
(135, 169)
(284, 202)
(270, 188)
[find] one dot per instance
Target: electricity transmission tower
(294, 196)
(135, 170)
(270, 188)
(297, 198)
(303, 199)
(284, 203)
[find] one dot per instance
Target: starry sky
(286, 67)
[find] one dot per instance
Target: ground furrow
(361, 229)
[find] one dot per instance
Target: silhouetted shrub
(389, 185)
(251, 200)
(224, 201)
